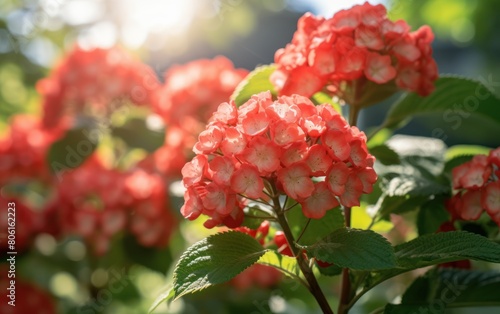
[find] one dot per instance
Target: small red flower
(477, 188)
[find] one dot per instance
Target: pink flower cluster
(95, 81)
(97, 202)
(265, 148)
(478, 188)
(352, 50)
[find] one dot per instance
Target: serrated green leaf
(256, 81)
(452, 93)
(135, 133)
(286, 264)
(316, 228)
(445, 247)
(323, 98)
(215, 260)
(355, 249)
(385, 155)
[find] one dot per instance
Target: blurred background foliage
(35, 34)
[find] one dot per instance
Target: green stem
(345, 289)
(353, 115)
(313, 284)
(346, 292)
(303, 230)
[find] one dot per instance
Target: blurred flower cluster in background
(101, 102)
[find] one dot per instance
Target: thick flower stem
(353, 115)
(345, 290)
(314, 287)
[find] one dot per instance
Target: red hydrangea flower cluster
(29, 298)
(257, 275)
(23, 149)
(97, 202)
(350, 51)
(265, 147)
(190, 94)
(478, 188)
(95, 80)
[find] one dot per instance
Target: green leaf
(256, 81)
(215, 260)
(398, 184)
(72, 149)
(452, 94)
(439, 248)
(135, 133)
(316, 228)
(440, 289)
(420, 156)
(432, 214)
(456, 161)
(397, 204)
(385, 155)
(461, 150)
(166, 296)
(459, 286)
(286, 264)
(354, 248)
(445, 247)
(409, 147)
(323, 98)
